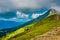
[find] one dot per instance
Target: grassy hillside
(54, 34)
(32, 30)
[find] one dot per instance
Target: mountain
(37, 28)
(15, 27)
(48, 13)
(7, 27)
(52, 12)
(8, 24)
(36, 19)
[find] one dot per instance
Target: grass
(32, 30)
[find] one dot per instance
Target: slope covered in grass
(54, 34)
(32, 30)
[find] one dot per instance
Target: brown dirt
(52, 35)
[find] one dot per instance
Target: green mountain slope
(32, 30)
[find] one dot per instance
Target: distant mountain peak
(55, 13)
(52, 12)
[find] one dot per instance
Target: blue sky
(25, 10)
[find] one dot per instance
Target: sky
(25, 10)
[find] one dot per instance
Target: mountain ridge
(39, 27)
(27, 23)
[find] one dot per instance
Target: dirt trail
(51, 35)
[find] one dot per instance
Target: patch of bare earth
(52, 35)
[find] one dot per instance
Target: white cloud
(21, 15)
(11, 19)
(38, 14)
(56, 8)
(35, 15)
(14, 18)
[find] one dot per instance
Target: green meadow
(30, 31)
